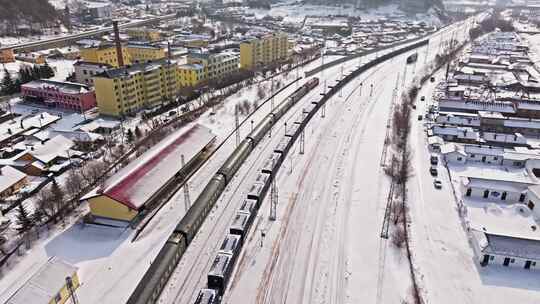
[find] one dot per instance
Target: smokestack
(169, 52)
(118, 44)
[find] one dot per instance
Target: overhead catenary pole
(273, 199)
(237, 125)
(187, 201)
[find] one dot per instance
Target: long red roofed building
(125, 194)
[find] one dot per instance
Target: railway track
(223, 219)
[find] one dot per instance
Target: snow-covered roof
(100, 123)
(51, 149)
(9, 176)
(512, 247)
(496, 185)
(43, 286)
(137, 182)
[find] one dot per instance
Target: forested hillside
(31, 12)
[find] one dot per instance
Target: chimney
(118, 44)
(169, 53)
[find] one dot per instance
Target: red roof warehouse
(67, 95)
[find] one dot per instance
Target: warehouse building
(51, 284)
(127, 193)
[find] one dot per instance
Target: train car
(220, 272)
(293, 130)
(258, 191)
(309, 111)
(412, 58)
(207, 296)
(284, 146)
(298, 94)
(153, 281)
(230, 245)
(191, 222)
(236, 159)
(312, 83)
(260, 131)
(248, 206)
(271, 164)
(240, 225)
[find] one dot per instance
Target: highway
(66, 40)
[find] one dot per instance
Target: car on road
(434, 160)
(437, 184)
(433, 171)
(432, 79)
(419, 117)
(423, 98)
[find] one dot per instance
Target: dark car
(423, 98)
(434, 160)
(433, 171)
(432, 79)
(419, 117)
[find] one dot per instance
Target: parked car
(434, 160)
(419, 117)
(432, 79)
(172, 113)
(437, 184)
(423, 98)
(433, 171)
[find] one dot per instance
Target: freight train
(224, 262)
(153, 281)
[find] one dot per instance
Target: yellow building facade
(104, 206)
(190, 75)
(144, 34)
(262, 51)
(215, 65)
(7, 56)
(104, 54)
(143, 53)
(127, 90)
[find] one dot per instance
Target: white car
(437, 184)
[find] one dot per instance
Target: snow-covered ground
(325, 246)
(109, 264)
(292, 12)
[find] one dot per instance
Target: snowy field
(295, 13)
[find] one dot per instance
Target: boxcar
(207, 296)
(240, 225)
(271, 164)
(219, 273)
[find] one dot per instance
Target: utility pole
(323, 109)
(187, 201)
(71, 290)
(302, 136)
(340, 79)
(273, 199)
(427, 52)
(237, 125)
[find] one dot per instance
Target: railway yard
(288, 205)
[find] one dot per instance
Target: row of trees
(26, 74)
(494, 21)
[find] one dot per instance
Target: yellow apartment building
(190, 75)
(262, 51)
(145, 52)
(104, 54)
(129, 89)
(216, 65)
